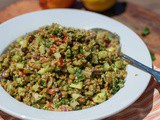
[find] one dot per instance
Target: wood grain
(137, 18)
(18, 8)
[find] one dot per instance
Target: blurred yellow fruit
(56, 3)
(98, 5)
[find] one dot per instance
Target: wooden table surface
(134, 16)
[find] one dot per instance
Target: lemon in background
(98, 5)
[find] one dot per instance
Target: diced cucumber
(57, 55)
(19, 81)
(20, 65)
(71, 70)
(74, 104)
(100, 97)
(24, 43)
(37, 97)
(78, 86)
(102, 54)
(111, 49)
(89, 93)
(19, 39)
(119, 64)
(95, 58)
(87, 73)
(35, 87)
(21, 91)
(75, 96)
(16, 58)
(42, 49)
(68, 53)
(57, 69)
(106, 66)
(87, 53)
(10, 88)
(44, 70)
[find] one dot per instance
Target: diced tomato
(33, 42)
(65, 39)
(54, 36)
(50, 103)
(81, 55)
(61, 61)
(56, 40)
(43, 59)
(96, 72)
(52, 47)
(107, 43)
(97, 47)
(109, 61)
(51, 91)
(22, 73)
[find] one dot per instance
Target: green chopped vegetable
(100, 97)
(37, 97)
(35, 87)
(106, 66)
(78, 86)
(95, 58)
(16, 58)
(69, 53)
(89, 93)
(21, 91)
(152, 55)
(19, 81)
(10, 88)
(119, 64)
(42, 70)
(71, 70)
(48, 44)
(57, 55)
(20, 65)
(145, 31)
(102, 54)
(75, 96)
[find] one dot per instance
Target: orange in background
(48, 4)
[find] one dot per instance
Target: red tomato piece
(65, 39)
(51, 91)
(33, 42)
(22, 73)
(61, 61)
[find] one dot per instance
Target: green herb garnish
(145, 31)
(152, 55)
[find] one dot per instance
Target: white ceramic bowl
(132, 45)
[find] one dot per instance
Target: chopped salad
(63, 69)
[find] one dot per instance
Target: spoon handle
(154, 73)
